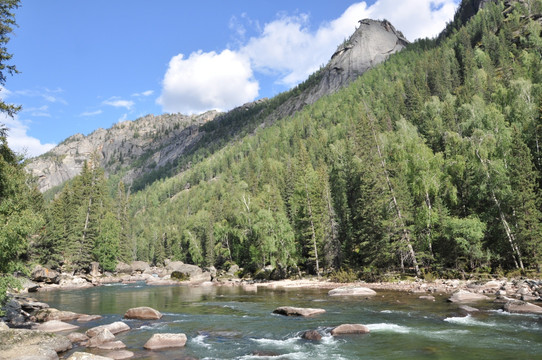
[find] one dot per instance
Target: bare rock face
(160, 138)
(296, 311)
(349, 329)
(372, 43)
(142, 313)
(163, 341)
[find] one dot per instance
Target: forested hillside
(427, 163)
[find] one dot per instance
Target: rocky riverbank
(32, 328)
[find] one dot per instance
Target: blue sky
(90, 64)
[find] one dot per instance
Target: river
(232, 323)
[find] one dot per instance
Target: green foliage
(343, 276)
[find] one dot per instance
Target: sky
(86, 65)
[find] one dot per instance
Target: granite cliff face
(372, 43)
(133, 148)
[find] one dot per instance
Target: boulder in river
(311, 335)
(463, 296)
(163, 341)
(55, 326)
(139, 266)
(112, 345)
(352, 291)
(468, 309)
(76, 337)
(87, 318)
(296, 311)
(349, 329)
(142, 313)
(115, 328)
(103, 336)
(123, 268)
(522, 307)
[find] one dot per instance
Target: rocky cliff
(129, 147)
(133, 148)
(372, 43)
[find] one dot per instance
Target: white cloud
(19, 141)
(207, 81)
(46, 94)
(116, 102)
(144, 93)
(91, 113)
(42, 111)
(286, 48)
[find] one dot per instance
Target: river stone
(352, 291)
(463, 296)
(312, 335)
(123, 268)
(87, 356)
(54, 314)
(76, 337)
(115, 328)
(120, 354)
(348, 329)
(142, 313)
(295, 311)
(3, 326)
(427, 297)
(101, 337)
(87, 318)
(140, 266)
(55, 326)
(162, 341)
(522, 307)
(112, 345)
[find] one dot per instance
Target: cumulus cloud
(207, 80)
(20, 141)
(286, 48)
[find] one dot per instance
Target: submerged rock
(463, 296)
(352, 291)
(296, 311)
(120, 354)
(87, 356)
(162, 341)
(349, 329)
(142, 313)
(311, 335)
(468, 308)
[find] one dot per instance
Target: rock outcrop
(31, 344)
(153, 140)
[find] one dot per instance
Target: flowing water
(231, 323)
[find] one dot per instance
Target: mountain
(152, 146)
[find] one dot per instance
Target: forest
(429, 164)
